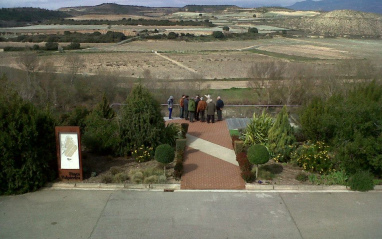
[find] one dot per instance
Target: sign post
(68, 143)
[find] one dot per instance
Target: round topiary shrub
(361, 181)
(164, 154)
(258, 154)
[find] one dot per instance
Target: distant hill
(112, 8)
(11, 17)
(338, 23)
(374, 6)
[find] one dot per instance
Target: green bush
(184, 129)
(302, 177)
(350, 123)
(253, 30)
(51, 46)
(257, 130)
(218, 34)
(141, 122)
(120, 178)
(74, 46)
(314, 157)
(247, 176)
(143, 154)
(27, 144)
(76, 117)
(171, 133)
(181, 145)
(238, 145)
(281, 137)
(361, 181)
(258, 154)
(101, 130)
(164, 154)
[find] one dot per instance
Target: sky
(56, 4)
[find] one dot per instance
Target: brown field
(213, 63)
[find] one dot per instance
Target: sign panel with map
(69, 153)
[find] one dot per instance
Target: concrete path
(190, 214)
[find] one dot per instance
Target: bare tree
(29, 62)
(74, 63)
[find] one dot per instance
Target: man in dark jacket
(210, 111)
(219, 108)
(202, 106)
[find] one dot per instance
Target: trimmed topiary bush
(258, 154)
(164, 154)
(184, 129)
(361, 181)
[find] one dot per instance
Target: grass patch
(234, 132)
(283, 56)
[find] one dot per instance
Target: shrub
(164, 154)
(101, 129)
(107, 178)
(51, 46)
(76, 117)
(74, 46)
(314, 157)
(281, 137)
(218, 34)
(243, 162)
(120, 177)
(151, 179)
(273, 168)
(141, 122)
(184, 129)
(115, 170)
(257, 130)
(172, 35)
(247, 176)
(302, 177)
(351, 124)
(143, 154)
(258, 154)
(178, 170)
(171, 133)
(226, 28)
(253, 30)
(136, 176)
(181, 144)
(27, 145)
(238, 146)
(361, 181)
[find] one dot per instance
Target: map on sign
(69, 151)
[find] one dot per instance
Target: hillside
(338, 23)
(374, 6)
(11, 17)
(112, 8)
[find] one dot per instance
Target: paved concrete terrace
(210, 162)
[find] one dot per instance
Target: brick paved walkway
(205, 171)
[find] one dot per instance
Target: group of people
(196, 109)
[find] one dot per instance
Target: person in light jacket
(170, 104)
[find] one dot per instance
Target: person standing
(200, 110)
(197, 99)
(210, 111)
(181, 104)
(191, 109)
(170, 104)
(219, 108)
(185, 105)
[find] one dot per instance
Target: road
(186, 214)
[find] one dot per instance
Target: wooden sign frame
(68, 144)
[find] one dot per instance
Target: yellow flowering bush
(143, 153)
(314, 157)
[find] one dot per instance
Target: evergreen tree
(141, 122)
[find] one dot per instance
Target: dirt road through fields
(175, 62)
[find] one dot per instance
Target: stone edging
(172, 187)
(302, 187)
